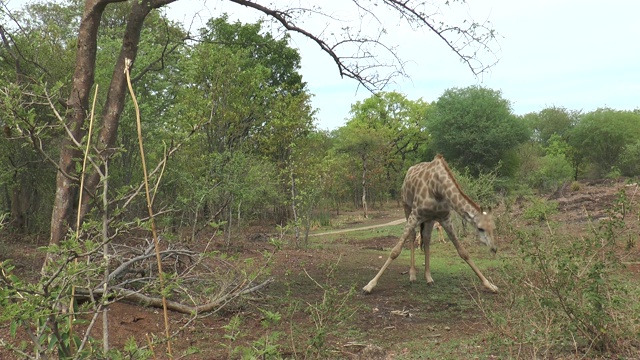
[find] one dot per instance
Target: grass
(457, 301)
(316, 292)
(448, 304)
(425, 347)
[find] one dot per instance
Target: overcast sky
(577, 54)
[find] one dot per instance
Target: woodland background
(230, 140)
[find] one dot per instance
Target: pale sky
(577, 54)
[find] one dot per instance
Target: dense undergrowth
(568, 293)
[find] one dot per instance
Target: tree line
(229, 116)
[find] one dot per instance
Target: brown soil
(389, 323)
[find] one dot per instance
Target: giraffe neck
(467, 209)
(457, 199)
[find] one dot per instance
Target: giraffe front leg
(394, 254)
(464, 254)
(409, 228)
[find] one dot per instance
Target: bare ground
(311, 286)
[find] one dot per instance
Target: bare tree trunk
(105, 249)
(82, 82)
(19, 204)
(294, 208)
(364, 186)
(78, 102)
(230, 219)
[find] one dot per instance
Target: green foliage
(474, 128)
(265, 347)
(545, 168)
(603, 135)
(481, 188)
(629, 163)
(383, 136)
(254, 111)
(567, 293)
(552, 172)
(540, 209)
(400, 119)
(329, 314)
(41, 309)
(550, 123)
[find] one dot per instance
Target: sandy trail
(392, 223)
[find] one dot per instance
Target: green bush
(553, 171)
(630, 160)
(568, 294)
(481, 189)
(540, 209)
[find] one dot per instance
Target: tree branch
(363, 64)
(146, 300)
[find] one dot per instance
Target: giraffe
(429, 194)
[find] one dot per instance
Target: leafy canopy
(603, 135)
(474, 128)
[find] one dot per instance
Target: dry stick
(149, 207)
(105, 253)
(84, 169)
(153, 352)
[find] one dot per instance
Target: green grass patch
(432, 346)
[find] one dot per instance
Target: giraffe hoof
(367, 289)
(492, 288)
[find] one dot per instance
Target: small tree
(474, 128)
(602, 136)
(369, 146)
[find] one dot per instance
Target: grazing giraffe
(429, 194)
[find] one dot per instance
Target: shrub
(630, 160)
(575, 186)
(567, 293)
(482, 189)
(553, 171)
(540, 209)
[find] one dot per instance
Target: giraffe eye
(481, 229)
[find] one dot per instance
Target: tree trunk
(228, 227)
(294, 208)
(364, 186)
(78, 102)
(19, 205)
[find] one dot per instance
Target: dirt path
(392, 223)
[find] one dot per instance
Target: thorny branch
(222, 279)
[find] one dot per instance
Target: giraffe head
(485, 227)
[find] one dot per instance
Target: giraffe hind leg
(425, 233)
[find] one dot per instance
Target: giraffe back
(431, 187)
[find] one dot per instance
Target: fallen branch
(125, 266)
(146, 300)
